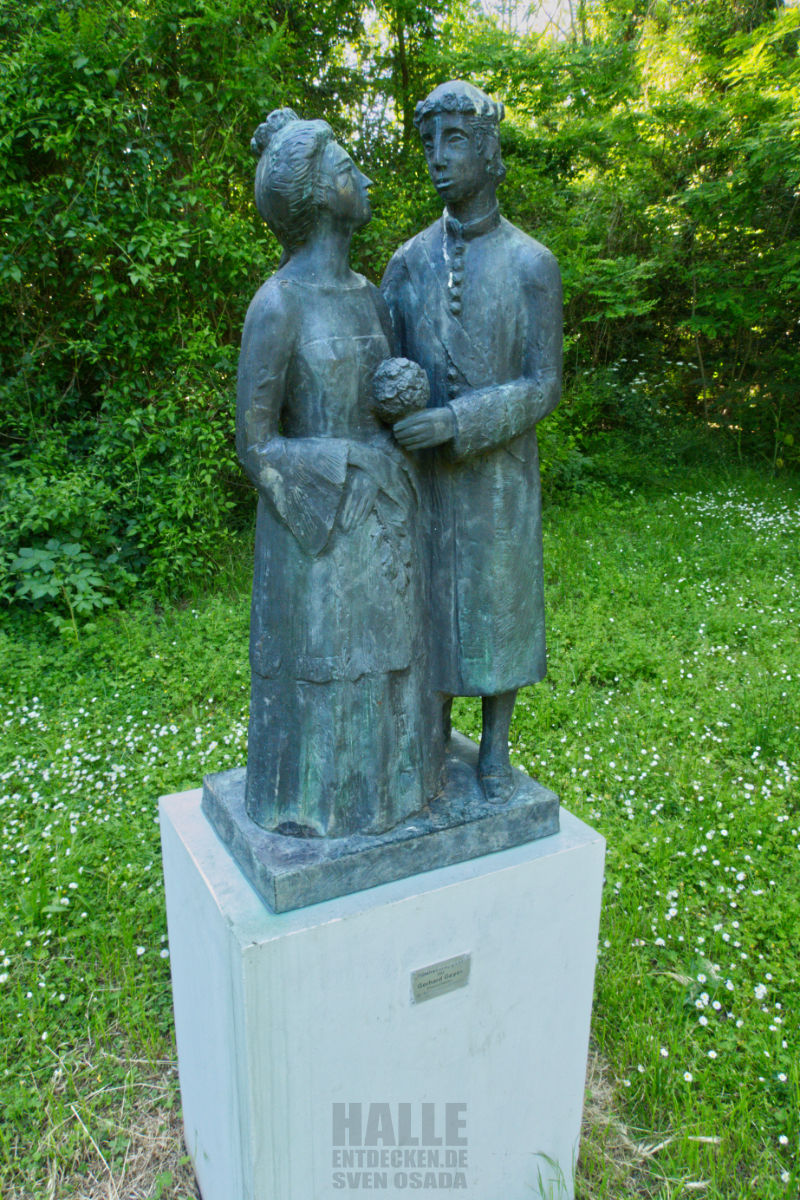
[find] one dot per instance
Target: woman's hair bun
(267, 129)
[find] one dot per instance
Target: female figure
(342, 731)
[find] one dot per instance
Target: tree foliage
(656, 151)
(657, 154)
(126, 259)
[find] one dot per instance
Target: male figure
(478, 304)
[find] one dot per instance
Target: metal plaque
(440, 977)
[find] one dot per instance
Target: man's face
(455, 156)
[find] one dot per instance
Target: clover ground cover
(669, 721)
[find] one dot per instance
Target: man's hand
(359, 499)
(424, 429)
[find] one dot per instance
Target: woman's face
(345, 187)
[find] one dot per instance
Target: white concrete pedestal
(287, 1023)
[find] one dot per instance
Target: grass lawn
(670, 721)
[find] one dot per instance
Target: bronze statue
(478, 304)
(342, 716)
(398, 558)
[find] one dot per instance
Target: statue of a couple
(398, 544)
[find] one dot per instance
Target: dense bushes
(127, 256)
(663, 167)
(656, 152)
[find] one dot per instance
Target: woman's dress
(343, 725)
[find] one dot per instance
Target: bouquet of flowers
(399, 388)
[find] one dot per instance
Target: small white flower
(139, 951)
(664, 1052)
(687, 1075)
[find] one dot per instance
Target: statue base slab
(430, 1033)
(291, 872)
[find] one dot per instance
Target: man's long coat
(480, 309)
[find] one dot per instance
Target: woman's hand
(424, 429)
(359, 499)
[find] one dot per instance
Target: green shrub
(137, 497)
(129, 248)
